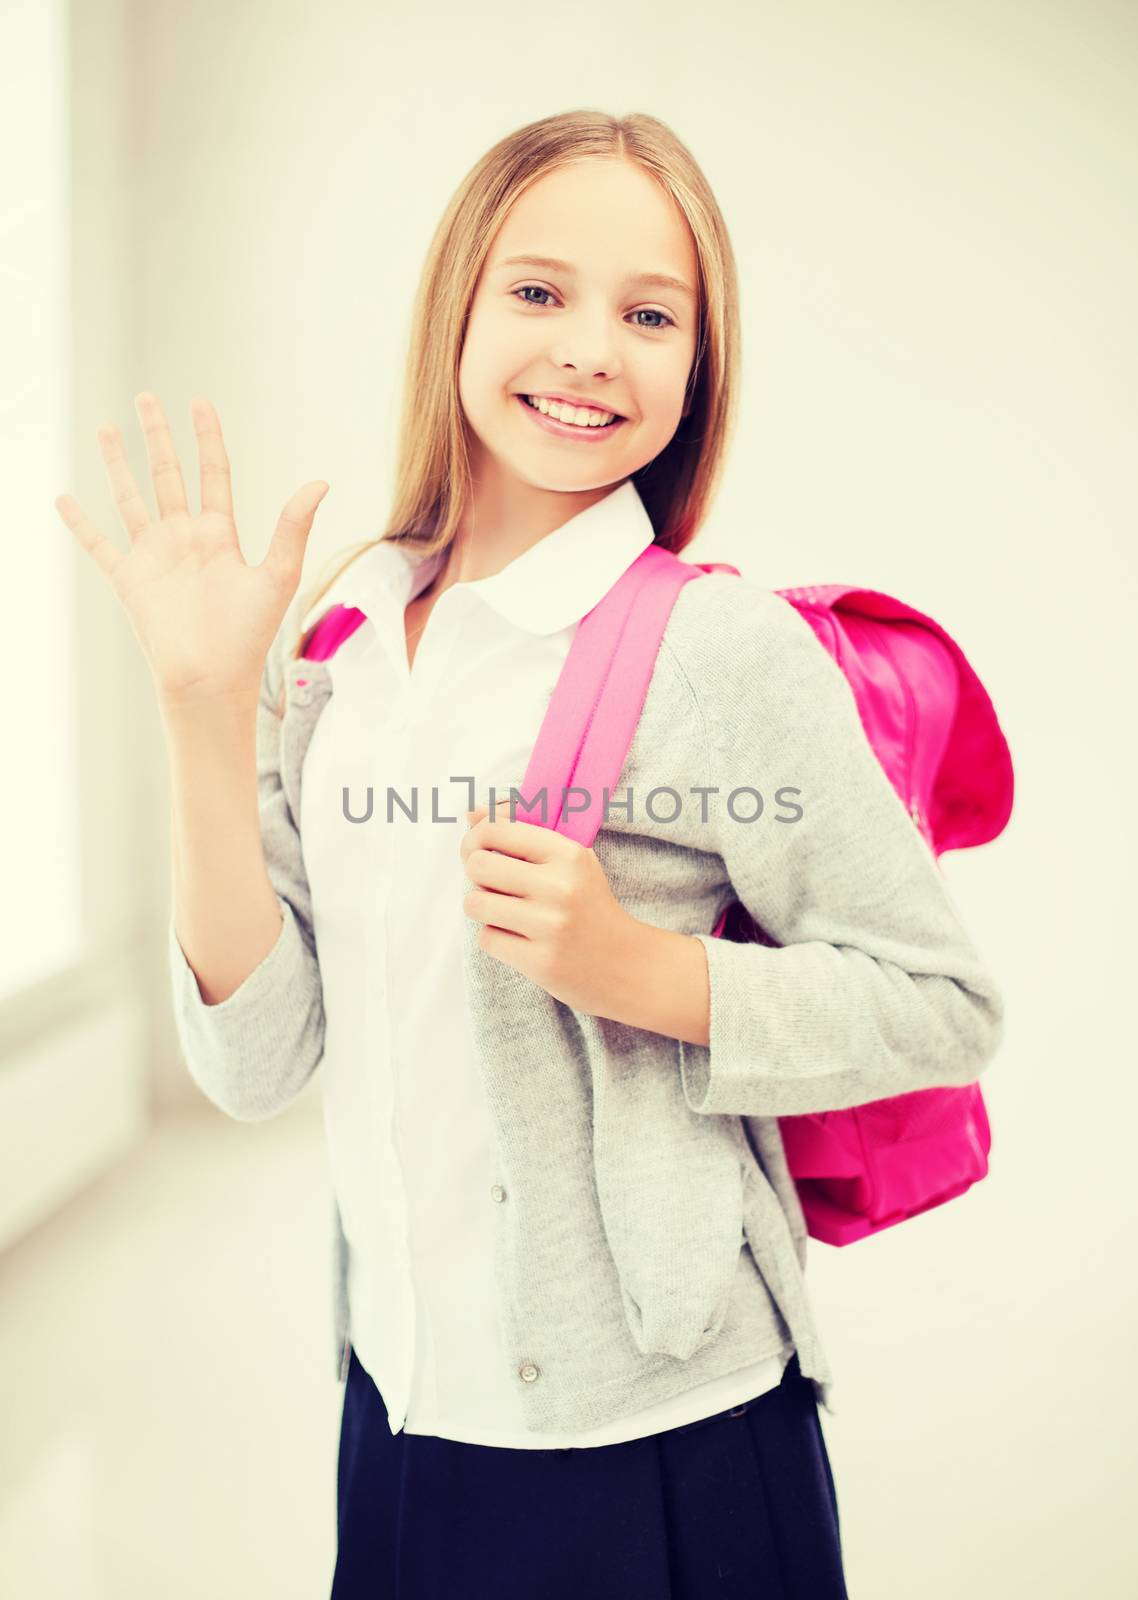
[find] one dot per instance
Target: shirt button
(528, 1372)
(497, 1192)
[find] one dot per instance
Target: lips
(570, 430)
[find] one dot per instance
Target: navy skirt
(739, 1504)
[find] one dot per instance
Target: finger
(96, 544)
(513, 837)
(216, 481)
(507, 912)
(165, 468)
(286, 549)
(132, 508)
(502, 873)
(482, 809)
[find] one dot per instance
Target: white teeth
(582, 416)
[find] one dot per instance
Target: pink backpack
(935, 732)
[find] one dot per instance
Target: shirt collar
(390, 569)
(548, 587)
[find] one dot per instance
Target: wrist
(217, 709)
(661, 983)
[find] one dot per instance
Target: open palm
(205, 617)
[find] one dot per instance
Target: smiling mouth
(585, 429)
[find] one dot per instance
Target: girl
(570, 1307)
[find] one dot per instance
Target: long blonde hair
(432, 480)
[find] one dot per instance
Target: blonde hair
(432, 478)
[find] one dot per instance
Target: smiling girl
(570, 1305)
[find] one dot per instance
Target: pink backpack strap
(337, 624)
(596, 705)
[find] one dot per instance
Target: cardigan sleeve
(877, 989)
(253, 1052)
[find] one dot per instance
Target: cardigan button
(497, 1192)
(302, 693)
(528, 1372)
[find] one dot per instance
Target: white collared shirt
(412, 1147)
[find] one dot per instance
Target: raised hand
(204, 617)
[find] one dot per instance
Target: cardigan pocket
(673, 1218)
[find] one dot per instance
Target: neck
(504, 517)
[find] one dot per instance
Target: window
(40, 803)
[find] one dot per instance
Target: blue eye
(651, 327)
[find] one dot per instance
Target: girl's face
(586, 324)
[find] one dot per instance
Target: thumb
(290, 537)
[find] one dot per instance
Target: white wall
(77, 1045)
(932, 209)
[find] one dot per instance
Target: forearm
(225, 910)
(661, 984)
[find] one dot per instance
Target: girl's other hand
(204, 617)
(549, 912)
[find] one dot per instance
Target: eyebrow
(659, 280)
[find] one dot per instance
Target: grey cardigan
(651, 1236)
